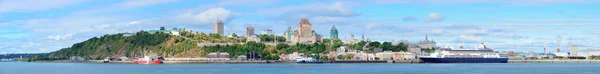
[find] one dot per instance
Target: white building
(268, 32)
(574, 50)
(589, 52)
(351, 40)
(561, 54)
(252, 38)
(388, 55)
(293, 56)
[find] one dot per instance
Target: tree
(324, 58)
(340, 57)
(374, 44)
(234, 35)
(387, 46)
(348, 56)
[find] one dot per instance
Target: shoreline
(325, 61)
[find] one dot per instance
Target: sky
(41, 26)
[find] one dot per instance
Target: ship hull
(464, 60)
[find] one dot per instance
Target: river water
(365, 68)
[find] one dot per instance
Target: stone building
(303, 34)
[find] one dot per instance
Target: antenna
(558, 42)
(545, 46)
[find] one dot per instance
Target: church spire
(426, 37)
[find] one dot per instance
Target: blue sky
(33, 26)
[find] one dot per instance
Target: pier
(553, 61)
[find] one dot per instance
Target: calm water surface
(498, 68)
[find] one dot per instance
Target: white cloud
(409, 18)
(250, 3)
(34, 5)
(470, 38)
(141, 3)
(61, 37)
(207, 17)
(435, 17)
(485, 1)
(337, 9)
(551, 20)
(325, 19)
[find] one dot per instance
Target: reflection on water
(502, 68)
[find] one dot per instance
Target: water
(497, 68)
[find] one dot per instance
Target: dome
(333, 28)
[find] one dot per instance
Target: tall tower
(558, 39)
(304, 27)
(334, 33)
(218, 27)
(545, 45)
(363, 37)
(249, 31)
(426, 37)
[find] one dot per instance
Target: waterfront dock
(553, 61)
(374, 61)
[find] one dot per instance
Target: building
(218, 27)
(333, 33)
(218, 56)
(589, 52)
(303, 34)
(242, 57)
(574, 50)
(351, 40)
(561, 54)
(293, 56)
(73, 58)
(268, 32)
(388, 55)
(249, 31)
(427, 43)
(253, 56)
(414, 49)
(252, 38)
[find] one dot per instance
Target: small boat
(105, 61)
(147, 60)
(307, 60)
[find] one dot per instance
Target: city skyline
(505, 25)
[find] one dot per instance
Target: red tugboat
(148, 60)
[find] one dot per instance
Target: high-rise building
(218, 27)
(304, 33)
(334, 33)
(249, 31)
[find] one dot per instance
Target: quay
(374, 61)
(553, 61)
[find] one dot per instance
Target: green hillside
(162, 43)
